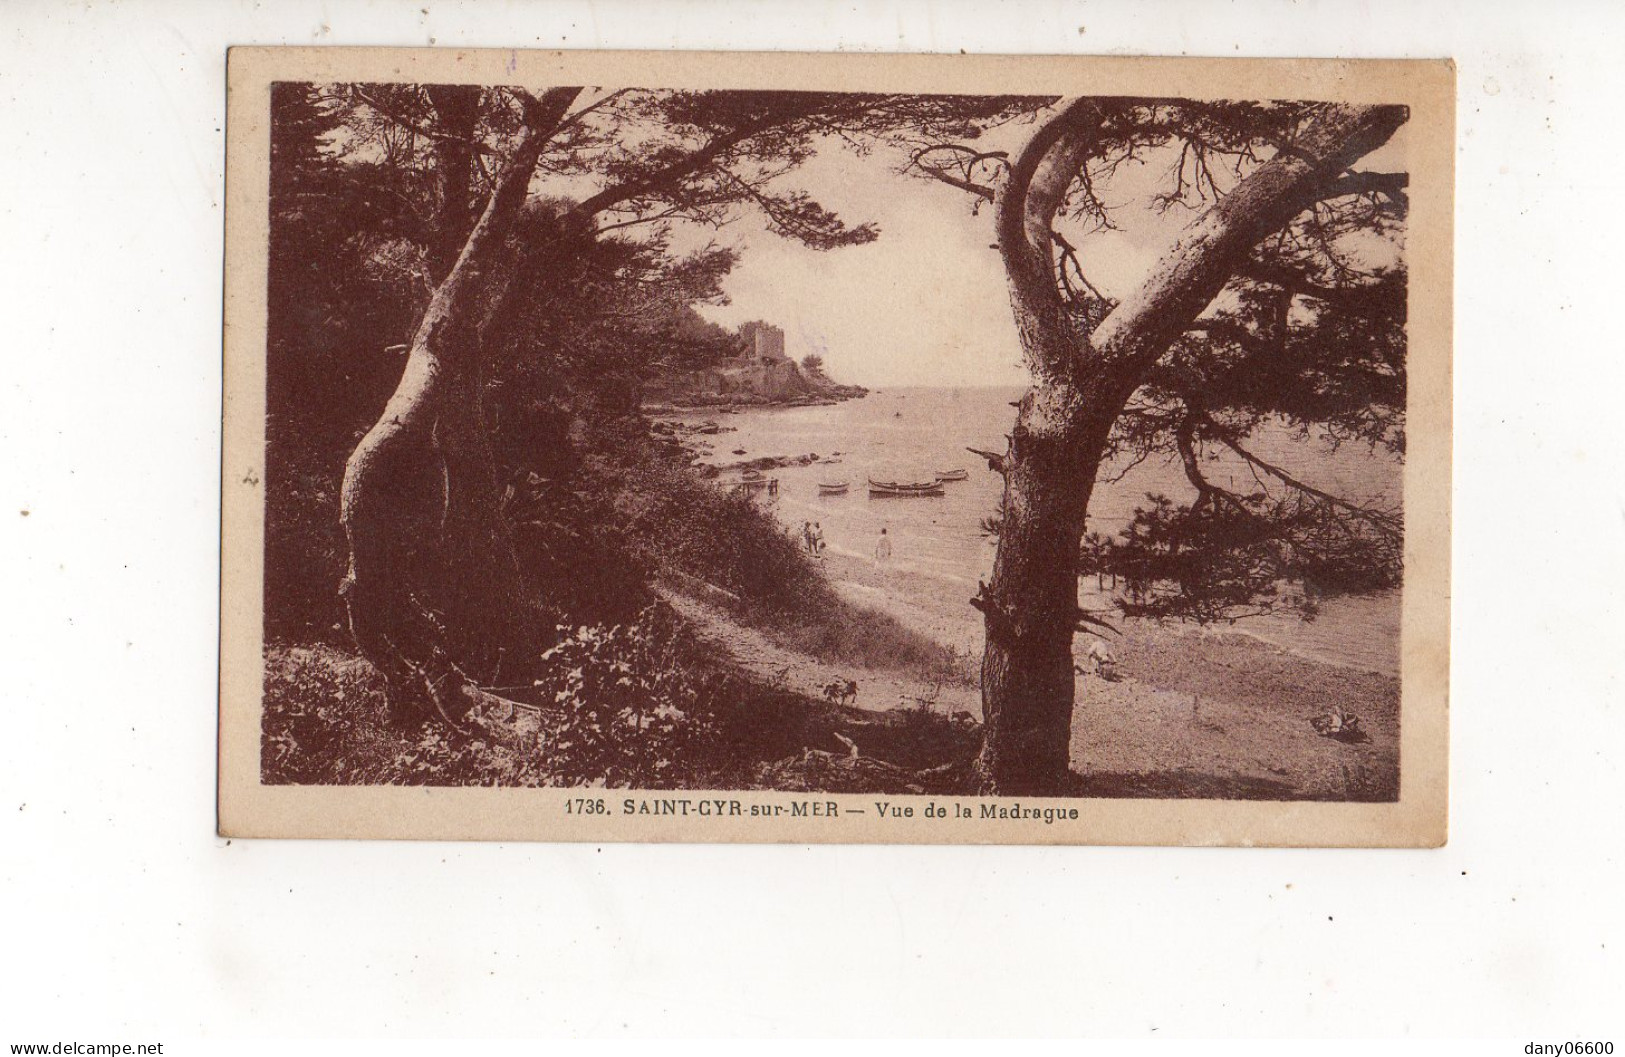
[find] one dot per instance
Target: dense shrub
(636, 705)
(633, 705)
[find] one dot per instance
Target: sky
(926, 303)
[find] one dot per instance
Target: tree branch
(692, 163)
(996, 462)
(424, 130)
(1385, 522)
(1294, 280)
(1038, 181)
(968, 160)
(1069, 255)
(1218, 243)
(1391, 184)
(575, 118)
(1026, 206)
(1207, 491)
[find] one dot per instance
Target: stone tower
(765, 342)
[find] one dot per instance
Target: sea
(910, 434)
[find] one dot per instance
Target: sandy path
(877, 690)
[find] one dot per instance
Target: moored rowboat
(890, 489)
(903, 486)
(832, 489)
(904, 493)
(952, 475)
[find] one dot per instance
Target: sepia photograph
(912, 443)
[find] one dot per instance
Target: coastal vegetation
(483, 558)
(463, 488)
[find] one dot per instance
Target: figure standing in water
(883, 548)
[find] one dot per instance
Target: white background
(124, 919)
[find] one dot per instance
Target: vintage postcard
(836, 448)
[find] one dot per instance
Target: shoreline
(1195, 713)
(667, 410)
(1355, 632)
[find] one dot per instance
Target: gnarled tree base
(397, 635)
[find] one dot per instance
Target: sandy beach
(1193, 713)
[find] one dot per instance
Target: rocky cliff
(765, 380)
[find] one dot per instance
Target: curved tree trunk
(1082, 383)
(1031, 607)
(494, 614)
(487, 608)
(457, 116)
(431, 565)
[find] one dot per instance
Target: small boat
(838, 488)
(894, 489)
(953, 475)
(751, 475)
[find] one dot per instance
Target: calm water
(909, 434)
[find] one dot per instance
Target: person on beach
(807, 536)
(883, 548)
(1101, 660)
(818, 538)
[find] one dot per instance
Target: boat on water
(904, 489)
(953, 475)
(838, 488)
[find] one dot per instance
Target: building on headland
(764, 343)
(759, 372)
(761, 368)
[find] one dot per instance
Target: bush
(635, 707)
(634, 704)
